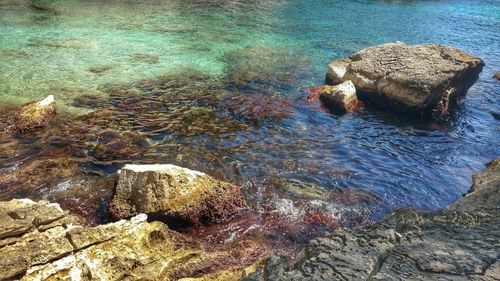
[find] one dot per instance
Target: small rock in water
(421, 79)
(496, 76)
(341, 98)
(29, 117)
(174, 192)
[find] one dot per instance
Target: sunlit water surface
(216, 86)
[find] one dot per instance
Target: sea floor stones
(423, 79)
(175, 192)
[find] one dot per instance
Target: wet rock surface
(496, 76)
(40, 241)
(341, 98)
(457, 243)
(176, 192)
(421, 79)
(28, 117)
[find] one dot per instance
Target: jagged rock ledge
(456, 243)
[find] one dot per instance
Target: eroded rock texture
(28, 117)
(457, 243)
(174, 192)
(40, 241)
(423, 79)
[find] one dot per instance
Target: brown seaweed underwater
(192, 120)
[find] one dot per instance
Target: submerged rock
(29, 117)
(71, 43)
(146, 58)
(112, 145)
(90, 101)
(423, 79)
(259, 106)
(457, 243)
(40, 241)
(263, 70)
(98, 70)
(174, 192)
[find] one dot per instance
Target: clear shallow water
(216, 86)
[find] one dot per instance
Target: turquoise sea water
(258, 54)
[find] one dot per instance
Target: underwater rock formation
(174, 192)
(112, 144)
(456, 243)
(40, 241)
(28, 117)
(421, 79)
(263, 70)
(145, 58)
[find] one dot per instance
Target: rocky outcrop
(457, 243)
(40, 241)
(174, 192)
(341, 98)
(496, 76)
(29, 117)
(423, 79)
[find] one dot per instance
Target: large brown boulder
(174, 192)
(423, 79)
(28, 117)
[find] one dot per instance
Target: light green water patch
(84, 45)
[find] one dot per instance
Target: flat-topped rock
(174, 192)
(424, 79)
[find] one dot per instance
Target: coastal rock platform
(456, 243)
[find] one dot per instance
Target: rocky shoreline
(457, 243)
(40, 241)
